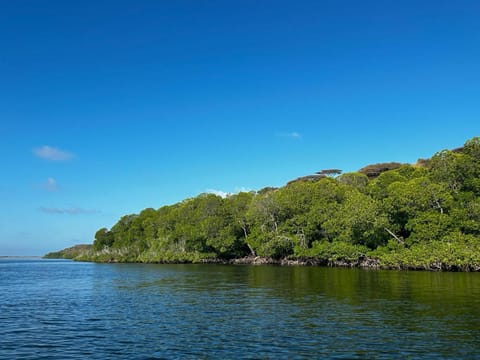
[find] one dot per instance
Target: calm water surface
(67, 310)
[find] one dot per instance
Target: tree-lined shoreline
(423, 216)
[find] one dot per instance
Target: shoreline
(366, 263)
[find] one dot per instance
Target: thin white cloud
(68, 211)
(52, 154)
(291, 135)
(295, 135)
(50, 185)
(225, 194)
(222, 194)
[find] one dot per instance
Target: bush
(330, 252)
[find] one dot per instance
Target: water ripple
(66, 310)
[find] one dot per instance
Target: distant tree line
(424, 216)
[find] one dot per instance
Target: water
(60, 309)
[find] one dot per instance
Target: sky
(110, 107)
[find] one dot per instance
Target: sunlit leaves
(398, 212)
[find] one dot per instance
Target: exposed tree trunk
(274, 221)
(399, 239)
(438, 204)
(251, 249)
(245, 233)
(302, 237)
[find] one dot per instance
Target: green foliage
(356, 180)
(407, 201)
(378, 188)
(456, 252)
(69, 253)
(467, 216)
(472, 148)
(449, 168)
(103, 238)
(277, 247)
(429, 226)
(331, 253)
(358, 220)
(424, 217)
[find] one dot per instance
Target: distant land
(422, 216)
(69, 253)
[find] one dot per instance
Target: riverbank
(258, 260)
(436, 256)
(364, 262)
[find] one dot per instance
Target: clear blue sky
(109, 107)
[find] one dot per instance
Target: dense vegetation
(422, 216)
(69, 253)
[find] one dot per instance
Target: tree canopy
(397, 214)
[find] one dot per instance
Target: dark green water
(67, 310)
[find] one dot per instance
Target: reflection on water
(62, 309)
